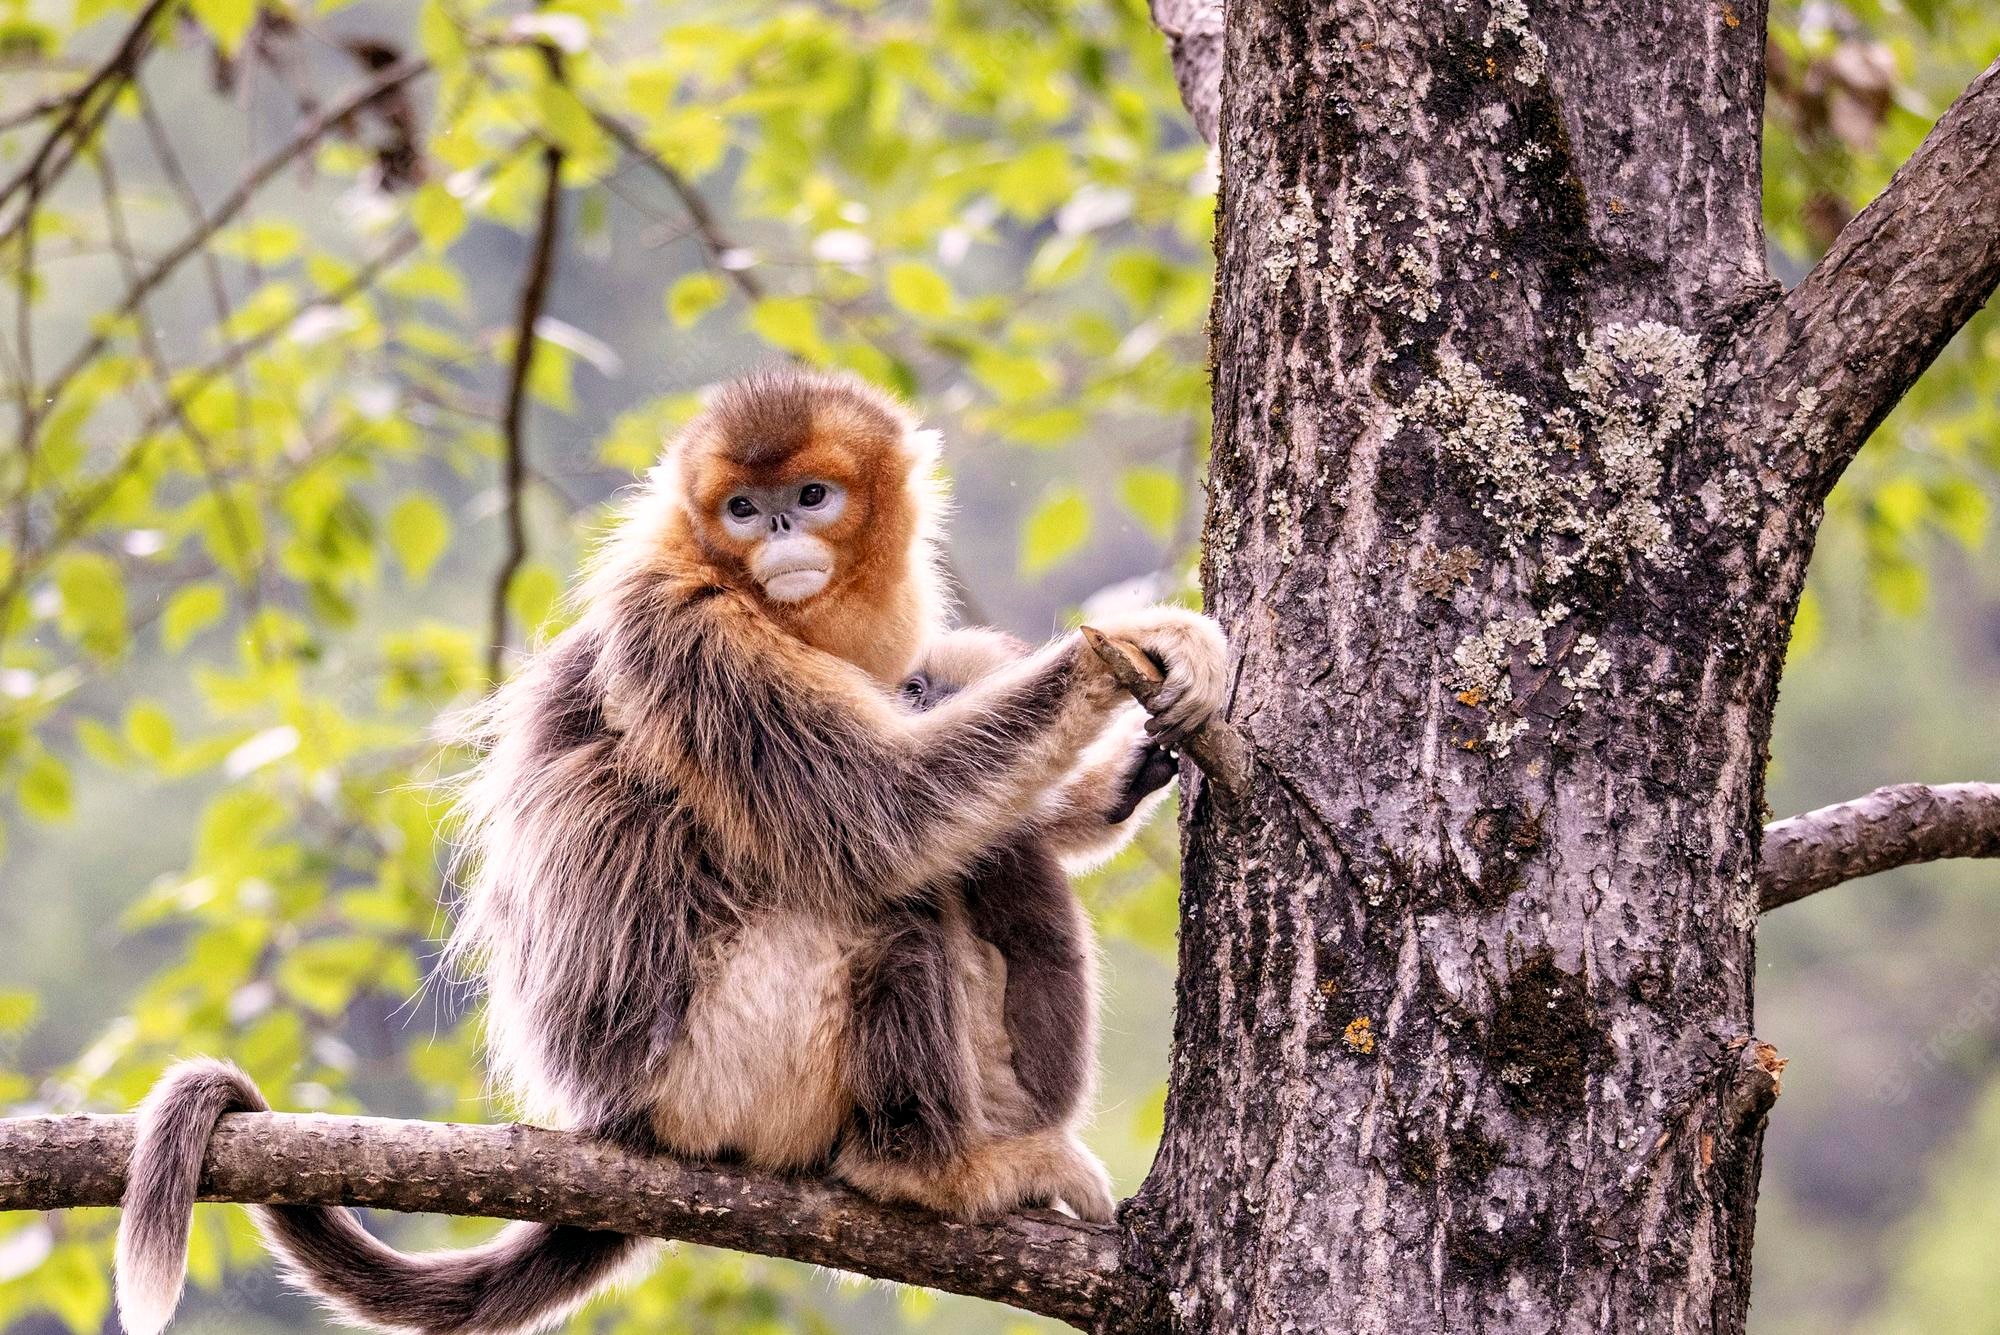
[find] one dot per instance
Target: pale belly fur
(759, 1071)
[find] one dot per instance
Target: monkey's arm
(808, 775)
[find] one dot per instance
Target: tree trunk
(1464, 1038)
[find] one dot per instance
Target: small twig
(699, 213)
(1890, 827)
(81, 118)
(1220, 750)
(513, 421)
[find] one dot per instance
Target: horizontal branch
(1832, 358)
(1890, 827)
(1042, 1262)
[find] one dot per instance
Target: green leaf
(533, 594)
(568, 121)
(17, 1011)
(419, 533)
(190, 611)
(789, 323)
(1153, 495)
(1055, 531)
(228, 20)
(45, 788)
(438, 216)
(325, 975)
(1012, 377)
(266, 242)
(73, 1284)
(919, 289)
(150, 731)
(693, 296)
(93, 602)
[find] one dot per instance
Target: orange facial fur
(788, 427)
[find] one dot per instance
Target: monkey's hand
(1191, 650)
(1154, 769)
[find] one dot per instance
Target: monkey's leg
(1020, 903)
(912, 1088)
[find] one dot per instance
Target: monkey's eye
(742, 507)
(812, 495)
(914, 688)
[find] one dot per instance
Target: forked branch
(1042, 1262)
(1890, 827)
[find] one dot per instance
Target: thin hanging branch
(514, 416)
(82, 111)
(1042, 1262)
(1890, 827)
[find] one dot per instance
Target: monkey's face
(803, 487)
(780, 530)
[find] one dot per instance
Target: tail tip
(147, 1294)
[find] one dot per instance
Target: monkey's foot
(991, 1179)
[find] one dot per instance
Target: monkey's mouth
(795, 583)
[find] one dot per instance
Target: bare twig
(1042, 1262)
(1836, 354)
(513, 420)
(1222, 752)
(85, 110)
(1890, 827)
(718, 245)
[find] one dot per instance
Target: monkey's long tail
(528, 1277)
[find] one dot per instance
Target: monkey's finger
(1167, 697)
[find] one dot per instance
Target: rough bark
(1044, 1262)
(1464, 1037)
(1890, 827)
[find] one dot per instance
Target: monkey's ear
(924, 447)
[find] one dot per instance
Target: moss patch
(1544, 1040)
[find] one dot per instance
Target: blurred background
(268, 270)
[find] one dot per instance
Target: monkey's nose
(781, 523)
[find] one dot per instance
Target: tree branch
(514, 419)
(1194, 31)
(1901, 278)
(700, 215)
(1218, 748)
(1890, 827)
(1041, 1262)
